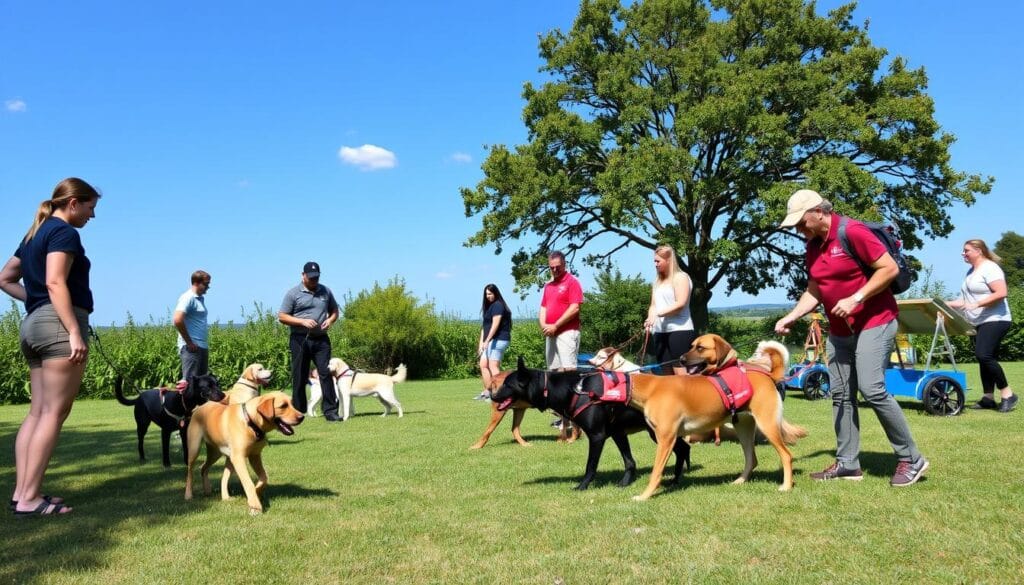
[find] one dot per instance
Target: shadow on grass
(96, 469)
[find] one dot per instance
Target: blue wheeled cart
(942, 391)
(811, 374)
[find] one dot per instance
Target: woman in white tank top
(668, 316)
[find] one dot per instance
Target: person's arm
(332, 312)
(495, 325)
(179, 324)
(570, 312)
(291, 321)
(807, 303)
(58, 266)
(885, 272)
(10, 279)
(542, 317)
(652, 314)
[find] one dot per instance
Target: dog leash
(106, 358)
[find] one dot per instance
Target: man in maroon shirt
(862, 328)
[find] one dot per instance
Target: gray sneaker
(908, 473)
(837, 471)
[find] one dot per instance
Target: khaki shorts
(44, 337)
(562, 350)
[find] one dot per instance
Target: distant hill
(752, 310)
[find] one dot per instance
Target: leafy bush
(386, 326)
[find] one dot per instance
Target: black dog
(170, 409)
(599, 420)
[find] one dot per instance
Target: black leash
(106, 358)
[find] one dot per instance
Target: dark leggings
(986, 349)
(669, 347)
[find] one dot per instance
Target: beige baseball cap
(800, 202)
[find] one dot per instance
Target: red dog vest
(734, 386)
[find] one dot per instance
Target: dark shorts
(44, 337)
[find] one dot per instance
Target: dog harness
(617, 387)
(248, 421)
(733, 385)
(182, 418)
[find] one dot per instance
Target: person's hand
(79, 350)
(648, 324)
(845, 307)
(191, 347)
(549, 330)
(325, 325)
(309, 323)
(783, 324)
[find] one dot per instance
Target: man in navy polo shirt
(310, 309)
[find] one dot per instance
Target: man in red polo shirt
(560, 315)
(862, 328)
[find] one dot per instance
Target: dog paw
(640, 498)
(255, 511)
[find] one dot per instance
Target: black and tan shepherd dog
(170, 409)
(569, 394)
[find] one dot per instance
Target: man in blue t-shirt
(190, 321)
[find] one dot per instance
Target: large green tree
(691, 122)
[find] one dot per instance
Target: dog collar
(249, 384)
(255, 429)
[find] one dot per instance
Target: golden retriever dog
(238, 431)
(676, 406)
(349, 383)
(253, 378)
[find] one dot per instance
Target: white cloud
(15, 106)
(444, 275)
(461, 158)
(368, 157)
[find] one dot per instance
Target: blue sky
(230, 136)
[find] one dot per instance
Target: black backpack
(887, 234)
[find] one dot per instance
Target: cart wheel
(943, 396)
(816, 385)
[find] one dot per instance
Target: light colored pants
(857, 362)
(561, 351)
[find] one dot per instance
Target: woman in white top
(668, 317)
(983, 302)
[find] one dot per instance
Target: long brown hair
(983, 248)
(63, 193)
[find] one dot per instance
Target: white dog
(349, 383)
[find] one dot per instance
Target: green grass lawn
(394, 500)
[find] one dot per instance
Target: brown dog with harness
(676, 406)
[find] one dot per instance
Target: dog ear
(266, 406)
(521, 364)
(725, 351)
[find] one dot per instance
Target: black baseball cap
(311, 270)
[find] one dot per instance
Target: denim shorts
(496, 349)
(44, 337)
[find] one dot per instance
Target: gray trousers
(857, 362)
(194, 364)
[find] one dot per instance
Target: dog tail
(773, 356)
(119, 394)
(791, 432)
(399, 375)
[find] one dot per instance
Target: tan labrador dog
(349, 383)
(676, 406)
(238, 431)
(253, 378)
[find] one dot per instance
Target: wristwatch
(858, 297)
